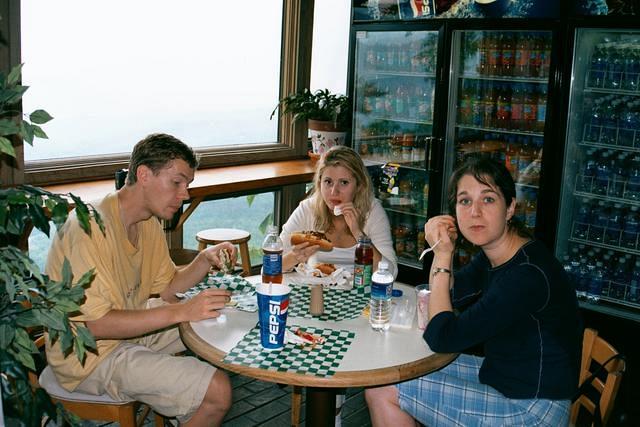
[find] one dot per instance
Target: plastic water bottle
(598, 67)
(583, 279)
(592, 130)
(598, 282)
(614, 226)
(272, 256)
(599, 218)
(632, 190)
(380, 304)
(631, 229)
(634, 285)
(603, 173)
(586, 183)
(618, 177)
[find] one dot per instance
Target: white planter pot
(324, 135)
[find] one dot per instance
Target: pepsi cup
(273, 305)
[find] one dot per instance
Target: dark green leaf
(7, 332)
(8, 127)
(265, 222)
(59, 214)
(26, 131)
(250, 199)
(39, 218)
(14, 75)
(86, 337)
(40, 117)
(67, 274)
(49, 318)
(14, 94)
(6, 147)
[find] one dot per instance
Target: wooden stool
(213, 236)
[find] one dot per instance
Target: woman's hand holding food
(351, 218)
(441, 233)
(299, 254)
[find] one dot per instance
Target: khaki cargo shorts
(145, 370)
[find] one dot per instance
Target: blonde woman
(343, 207)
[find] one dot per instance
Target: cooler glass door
(393, 124)
(499, 83)
(600, 205)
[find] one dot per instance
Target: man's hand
(206, 304)
(217, 259)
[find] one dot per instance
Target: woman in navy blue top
(513, 298)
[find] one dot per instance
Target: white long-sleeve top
(377, 227)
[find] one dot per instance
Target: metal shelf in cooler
(609, 146)
(510, 131)
(508, 79)
(396, 74)
(405, 212)
(608, 91)
(604, 245)
(399, 120)
(410, 262)
(610, 310)
(584, 182)
(417, 166)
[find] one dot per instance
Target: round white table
(373, 358)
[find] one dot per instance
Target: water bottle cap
(272, 229)
(383, 265)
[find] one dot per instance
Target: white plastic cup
(422, 305)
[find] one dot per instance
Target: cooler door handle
(433, 148)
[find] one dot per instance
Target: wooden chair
(605, 386)
(213, 236)
(91, 407)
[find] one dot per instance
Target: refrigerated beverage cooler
(395, 80)
(599, 219)
(496, 106)
(500, 83)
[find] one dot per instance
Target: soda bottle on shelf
(483, 55)
(530, 107)
(530, 209)
(272, 256)
(525, 156)
(541, 112)
(503, 107)
(380, 303)
(477, 107)
(363, 264)
(545, 63)
(517, 107)
(488, 104)
(511, 160)
(507, 57)
(534, 55)
(522, 53)
(464, 108)
(495, 53)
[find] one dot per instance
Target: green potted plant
(29, 300)
(328, 116)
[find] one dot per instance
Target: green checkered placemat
(235, 284)
(338, 304)
(321, 360)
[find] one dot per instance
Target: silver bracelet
(437, 270)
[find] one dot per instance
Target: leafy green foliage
(319, 105)
(29, 300)
(10, 123)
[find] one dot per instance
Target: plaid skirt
(454, 396)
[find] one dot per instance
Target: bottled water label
(381, 290)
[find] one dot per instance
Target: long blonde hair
(340, 155)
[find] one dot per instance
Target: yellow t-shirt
(125, 277)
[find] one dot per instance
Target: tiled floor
(259, 403)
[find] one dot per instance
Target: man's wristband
(436, 270)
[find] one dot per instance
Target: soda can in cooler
(273, 306)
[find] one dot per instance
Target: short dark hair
(155, 151)
(491, 173)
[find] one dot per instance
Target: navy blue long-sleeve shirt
(525, 313)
